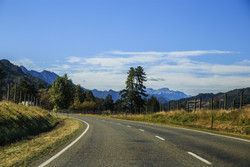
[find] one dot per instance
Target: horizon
(193, 47)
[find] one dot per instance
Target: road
(118, 143)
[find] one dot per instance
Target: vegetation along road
(111, 142)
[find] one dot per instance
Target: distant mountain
(163, 95)
(167, 94)
(15, 74)
(47, 76)
(102, 94)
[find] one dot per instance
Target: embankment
(19, 121)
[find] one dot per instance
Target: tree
(2, 76)
(153, 105)
(108, 103)
(80, 94)
(128, 94)
(134, 93)
(140, 77)
(62, 92)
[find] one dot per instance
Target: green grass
(26, 151)
(19, 121)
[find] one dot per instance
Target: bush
(247, 130)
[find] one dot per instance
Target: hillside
(219, 98)
(14, 75)
(18, 121)
(45, 75)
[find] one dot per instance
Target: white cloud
(74, 59)
(176, 70)
(27, 63)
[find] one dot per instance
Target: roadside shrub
(247, 130)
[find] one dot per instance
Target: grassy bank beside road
(236, 122)
(19, 121)
(26, 151)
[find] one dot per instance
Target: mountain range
(163, 95)
(15, 74)
(47, 76)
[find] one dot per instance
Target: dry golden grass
(237, 121)
(26, 151)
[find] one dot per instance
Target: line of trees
(65, 95)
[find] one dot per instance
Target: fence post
(225, 102)
(241, 100)
(178, 105)
(212, 122)
(195, 104)
(15, 93)
(24, 99)
(212, 105)
(8, 93)
(169, 107)
(20, 97)
(28, 99)
(200, 103)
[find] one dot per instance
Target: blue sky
(194, 46)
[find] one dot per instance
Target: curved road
(112, 142)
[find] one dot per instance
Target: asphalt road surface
(118, 143)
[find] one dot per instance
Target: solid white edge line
(159, 137)
(141, 130)
(66, 148)
(201, 159)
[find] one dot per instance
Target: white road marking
(66, 148)
(159, 137)
(209, 133)
(141, 130)
(128, 126)
(119, 123)
(199, 158)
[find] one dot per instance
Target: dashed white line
(128, 126)
(66, 148)
(141, 130)
(119, 123)
(201, 159)
(159, 137)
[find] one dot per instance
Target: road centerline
(141, 130)
(160, 138)
(200, 158)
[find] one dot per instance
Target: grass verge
(233, 123)
(28, 150)
(19, 121)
